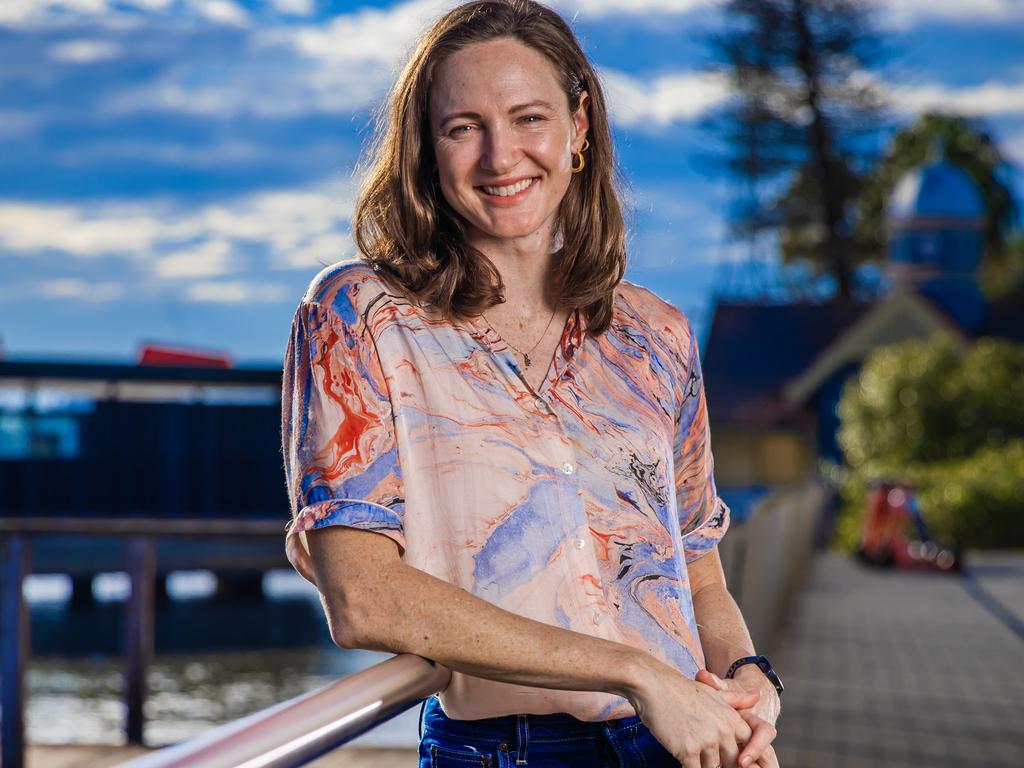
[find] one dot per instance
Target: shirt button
(568, 468)
(580, 543)
(541, 404)
(598, 617)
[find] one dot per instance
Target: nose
(500, 151)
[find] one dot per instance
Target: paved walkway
(892, 669)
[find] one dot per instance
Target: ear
(581, 120)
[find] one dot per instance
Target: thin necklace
(526, 355)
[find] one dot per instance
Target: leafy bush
(948, 420)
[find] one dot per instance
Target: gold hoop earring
(579, 156)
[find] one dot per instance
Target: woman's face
(504, 139)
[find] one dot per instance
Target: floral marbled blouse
(578, 505)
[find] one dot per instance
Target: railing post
(138, 634)
(14, 647)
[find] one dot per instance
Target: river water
(216, 660)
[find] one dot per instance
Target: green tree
(1002, 277)
(952, 421)
(793, 130)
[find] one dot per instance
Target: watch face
(766, 667)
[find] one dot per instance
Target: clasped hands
(755, 700)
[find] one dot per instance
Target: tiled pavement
(891, 669)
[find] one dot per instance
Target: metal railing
(301, 729)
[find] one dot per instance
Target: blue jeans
(537, 741)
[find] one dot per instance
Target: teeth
(514, 189)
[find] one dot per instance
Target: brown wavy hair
(407, 230)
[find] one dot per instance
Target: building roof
(753, 350)
(937, 190)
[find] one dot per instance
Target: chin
(510, 230)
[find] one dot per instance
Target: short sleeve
(337, 431)
(703, 516)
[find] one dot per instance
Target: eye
(460, 130)
(532, 119)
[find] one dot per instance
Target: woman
(497, 450)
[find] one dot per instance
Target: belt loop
(522, 738)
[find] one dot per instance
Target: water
(216, 661)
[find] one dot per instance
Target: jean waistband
(510, 728)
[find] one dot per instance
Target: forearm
(724, 637)
(723, 632)
(409, 611)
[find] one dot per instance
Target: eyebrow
(512, 110)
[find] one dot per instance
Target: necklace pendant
(526, 359)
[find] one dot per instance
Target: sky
(177, 171)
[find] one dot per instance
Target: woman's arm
(375, 601)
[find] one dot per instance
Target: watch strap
(763, 664)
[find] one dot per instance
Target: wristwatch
(763, 664)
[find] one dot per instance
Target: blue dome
(938, 190)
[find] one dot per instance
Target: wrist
(640, 672)
(751, 676)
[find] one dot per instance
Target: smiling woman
(497, 450)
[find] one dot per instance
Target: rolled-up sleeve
(703, 516)
(337, 431)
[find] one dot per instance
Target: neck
(525, 267)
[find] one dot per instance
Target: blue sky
(177, 170)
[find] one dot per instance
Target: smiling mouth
(510, 190)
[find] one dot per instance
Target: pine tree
(803, 103)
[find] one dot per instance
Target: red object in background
(895, 534)
(158, 354)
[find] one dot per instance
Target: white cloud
(40, 12)
(221, 12)
(25, 10)
(237, 291)
(990, 98)
(294, 7)
(208, 259)
(672, 98)
(595, 9)
(158, 242)
(895, 13)
(906, 13)
(84, 290)
(84, 51)
(380, 35)
(79, 231)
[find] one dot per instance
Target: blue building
(774, 373)
(160, 439)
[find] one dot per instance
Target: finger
(709, 678)
(742, 730)
(740, 699)
(768, 759)
(709, 759)
(728, 754)
(762, 736)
